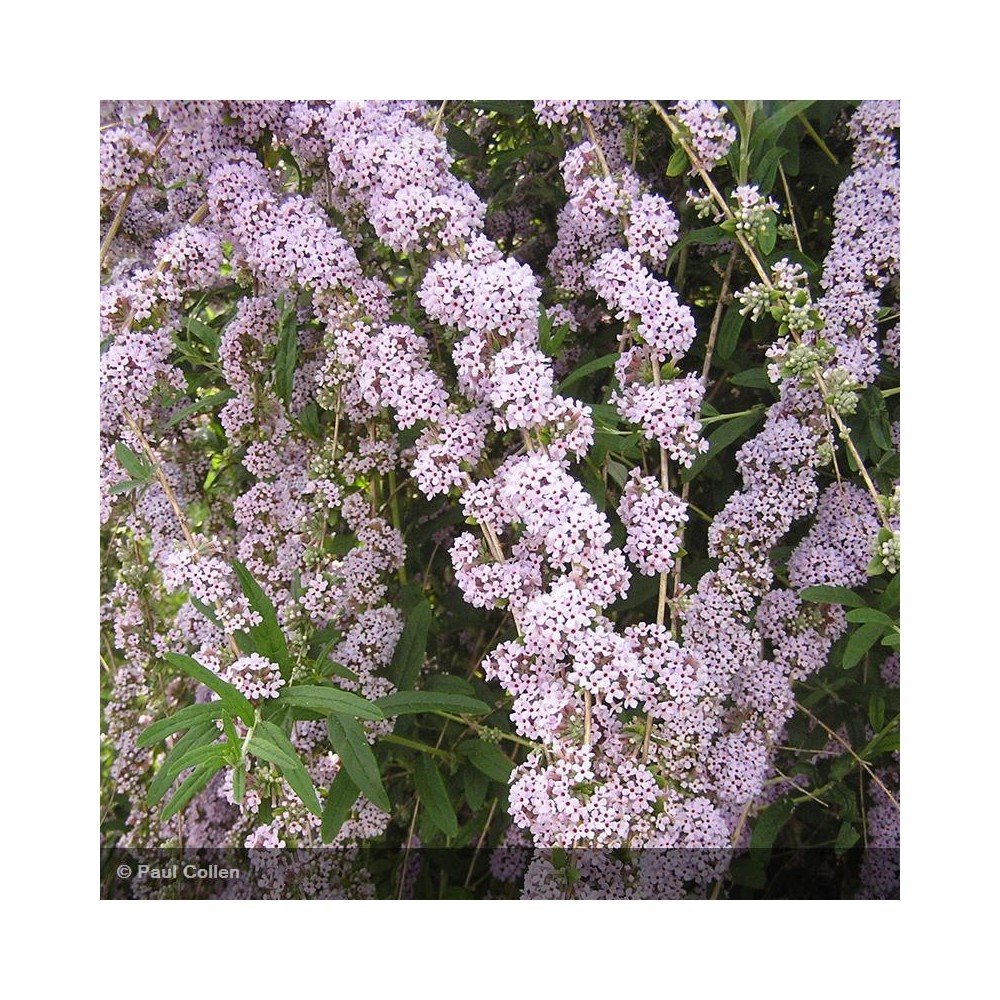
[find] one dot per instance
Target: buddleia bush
(500, 499)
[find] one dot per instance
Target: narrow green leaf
(434, 796)
(846, 838)
(753, 378)
(204, 609)
(411, 702)
(205, 333)
(287, 355)
(870, 615)
(408, 658)
(876, 710)
(768, 236)
(860, 642)
(890, 598)
(124, 485)
(325, 700)
(892, 639)
(200, 735)
(185, 718)
(267, 638)
(192, 785)
(729, 331)
(260, 746)
(511, 109)
(232, 699)
(138, 469)
(200, 405)
(461, 142)
(488, 758)
(832, 595)
(239, 782)
(340, 800)
(707, 236)
(677, 163)
(214, 753)
(351, 745)
(774, 124)
(720, 439)
(605, 361)
(292, 769)
(769, 823)
(476, 784)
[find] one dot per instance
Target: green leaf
(325, 700)
(351, 744)
(890, 598)
(707, 236)
(768, 236)
(886, 741)
(892, 639)
(124, 485)
(720, 439)
(753, 378)
(605, 361)
(185, 718)
(284, 363)
(434, 795)
(476, 784)
(204, 609)
(196, 756)
(461, 142)
(769, 823)
(729, 331)
(136, 467)
(239, 783)
(488, 758)
(677, 163)
(876, 710)
(870, 615)
(267, 638)
(846, 838)
(832, 595)
(232, 699)
(775, 123)
(192, 785)
(339, 803)
(292, 769)
(860, 642)
(512, 109)
(205, 333)
(408, 658)
(411, 702)
(206, 732)
(764, 172)
(198, 406)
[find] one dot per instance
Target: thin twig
(847, 746)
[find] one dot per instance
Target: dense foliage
(501, 498)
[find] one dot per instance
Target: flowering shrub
(515, 478)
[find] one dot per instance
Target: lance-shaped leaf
(233, 700)
(488, 758)
(339, 802)
(186, 718)
(411, 702)
(193, 784)
(351, 745)
(199, 736)
(325, 700)
(434, 795)
(285, 757)
(267, 637)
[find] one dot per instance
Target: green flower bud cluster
(841, 391)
